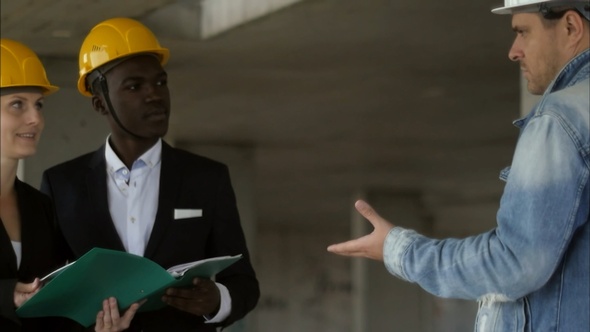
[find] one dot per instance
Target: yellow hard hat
(115, 39)
(22, 68)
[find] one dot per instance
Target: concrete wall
(303, 287)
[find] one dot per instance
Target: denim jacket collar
(575, 70)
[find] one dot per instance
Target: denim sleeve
(540, 209)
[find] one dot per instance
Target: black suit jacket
(187, 181)
(43, 250)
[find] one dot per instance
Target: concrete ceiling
(332, 95)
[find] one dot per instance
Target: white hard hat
(511, 6)
(532, 6)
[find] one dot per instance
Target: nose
(155, 92)
(34, 117)
(515, 53)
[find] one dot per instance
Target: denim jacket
(531, 272)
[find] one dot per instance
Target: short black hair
(557, 12)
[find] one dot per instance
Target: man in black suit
(138, 194)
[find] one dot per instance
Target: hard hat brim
(50, 89)
(47, 89)
(534, 6)
(518, 8)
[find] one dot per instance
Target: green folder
(77, 291)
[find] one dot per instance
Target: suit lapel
(96, 185)
(170, 181)
(31, 237)
(7, 255)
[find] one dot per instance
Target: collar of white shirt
(151, 157)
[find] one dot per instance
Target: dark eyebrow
(143, 78)
(133, 79)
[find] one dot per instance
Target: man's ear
(574, 25)
(99, 104)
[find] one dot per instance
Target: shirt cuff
(224, 305)
(395, 246)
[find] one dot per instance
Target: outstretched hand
(371, 245)
(23, 292)
(109, 320)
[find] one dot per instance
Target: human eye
(39, 105)
(132, 87)
(520, 32)
(17, 104)
(162, 82)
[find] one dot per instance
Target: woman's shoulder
(30, 193)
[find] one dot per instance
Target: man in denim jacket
(532, 272)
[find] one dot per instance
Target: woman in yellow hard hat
(31, 244)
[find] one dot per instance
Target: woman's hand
(109, 320)
(23, 292)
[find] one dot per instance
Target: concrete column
(242, 168)
(382, 302)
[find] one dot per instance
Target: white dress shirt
(17, 246)
(133, 196)
(133, 204)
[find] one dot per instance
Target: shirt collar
(150, 158)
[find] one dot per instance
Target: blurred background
(314, 104)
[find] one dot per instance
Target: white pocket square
(187, 213)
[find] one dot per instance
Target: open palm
(371, 245)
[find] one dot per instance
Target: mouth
(27, 135)
(157, 114)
